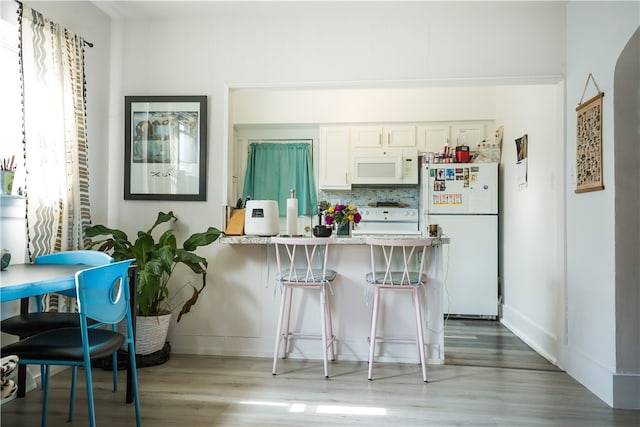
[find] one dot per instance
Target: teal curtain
(273, 169)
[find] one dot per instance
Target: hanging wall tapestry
(589, 142)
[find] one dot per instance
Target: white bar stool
(404, 272)
(302, 264)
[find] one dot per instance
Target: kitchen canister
(462, 154)
(292, 214)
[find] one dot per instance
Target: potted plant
(155, 262)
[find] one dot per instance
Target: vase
(343, 229)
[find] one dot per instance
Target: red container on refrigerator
(462, 154)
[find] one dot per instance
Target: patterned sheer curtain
(54, 124)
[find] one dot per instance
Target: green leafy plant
(155, 261)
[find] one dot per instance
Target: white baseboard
(620, 391)
(544, 342)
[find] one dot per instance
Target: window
(276, 167)
(10, 108)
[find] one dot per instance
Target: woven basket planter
(151, 333)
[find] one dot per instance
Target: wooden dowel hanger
(88, 43)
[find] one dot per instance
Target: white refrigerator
(462, 198)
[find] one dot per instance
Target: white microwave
(385, 166)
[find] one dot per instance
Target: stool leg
(417, 335)
(330, 326)
(418, 313)
(374, 322)
(287, 322)
(323, 322)
(279, 328)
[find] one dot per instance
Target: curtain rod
(88, 43)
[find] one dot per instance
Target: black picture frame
(165, 148)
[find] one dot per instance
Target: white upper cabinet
(467, 133)
(400, 136)
(335, 158)
(367, 136)
(432, 138)
(383, 136)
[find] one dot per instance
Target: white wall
(532, 219)
(597, 32)
(415, 104)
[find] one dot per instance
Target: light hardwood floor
(491, 378)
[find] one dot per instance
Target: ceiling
(146, 9)
(154, 9)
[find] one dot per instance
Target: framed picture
(589, 145)
(165, 148)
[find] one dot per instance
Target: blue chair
(103, 295)
(27, 324)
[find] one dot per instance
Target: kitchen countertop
(353, 240)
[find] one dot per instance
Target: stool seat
(302, 264)
(395, 278)
(300, 276)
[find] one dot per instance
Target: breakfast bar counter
(243, 302)
(350, 240)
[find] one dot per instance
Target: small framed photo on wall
(165, 148)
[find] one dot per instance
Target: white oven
(385, 166)
(388, 220)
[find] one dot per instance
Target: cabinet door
(334, 158)
(432, 138)
(470, 134)
(400, 136)
(366, 136)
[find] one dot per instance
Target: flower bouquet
(342, 216)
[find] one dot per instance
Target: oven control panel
(388, 221)
(389, 214)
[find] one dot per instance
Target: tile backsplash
(362, 196)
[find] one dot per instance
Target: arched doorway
(627, 228)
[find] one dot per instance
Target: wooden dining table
(22, 281)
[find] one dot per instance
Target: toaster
(261, 218)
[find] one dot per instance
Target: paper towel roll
(292, 217)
